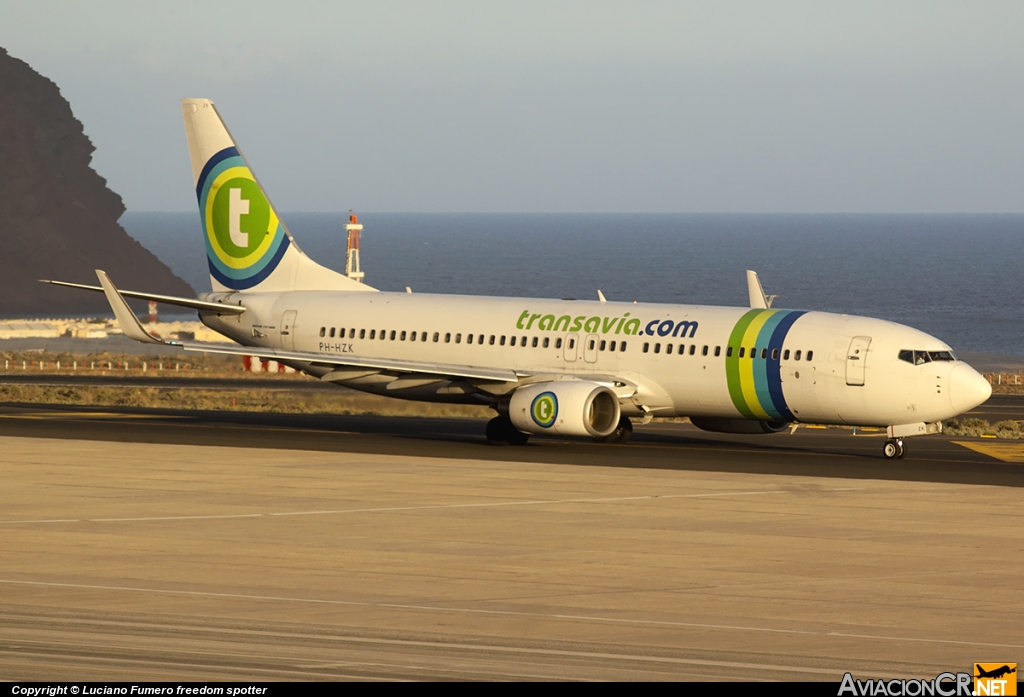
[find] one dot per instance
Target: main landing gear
(894, 448)
(622, 433)
(500, 431)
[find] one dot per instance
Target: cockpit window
(922, 357)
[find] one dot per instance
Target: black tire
(500, 431)
(902, 448)
(496, 432)
(621, 435)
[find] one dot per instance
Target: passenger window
(622, 346)
(558, 343)
(572, 343)
(603, 344)
(704, 351)
(362, 333)
(523, 342)
(775, 354)
(502, 340)
(469, 339)
(611, 346)
(591, 345)
(728, 352)
(785, 355)
(403, 336)
(668, 348)
(383, 334)
(657, 348)
(764, 354)
(412, 336)
(352, 333)
(742, 351)
(647, 346)
(373, 333)
(546, 340)
(393, 334)
(491, 342)
(693, 349)
(718, 351)
(332, 332)
(796, 356)
(458, 338)
(437, 335)
(448, 338)
(423, 336)
(323, 331)
(535, 342)
(512, 342)
(810, 355)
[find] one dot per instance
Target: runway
(169, 545)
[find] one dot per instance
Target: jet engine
(565, 407)
(720, 425)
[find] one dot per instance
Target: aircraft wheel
(902, 449)
(500, 431)
(622, 433)
(892, 449)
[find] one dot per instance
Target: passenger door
(856, 360)
(571, 347)
(288, 330)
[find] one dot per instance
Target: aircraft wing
(133, 329)
(219, 308)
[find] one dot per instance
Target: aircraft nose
(967, 388)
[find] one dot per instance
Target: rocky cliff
(58, 219)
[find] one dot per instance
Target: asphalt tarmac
(139, 544)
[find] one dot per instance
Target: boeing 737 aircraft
(564, 367)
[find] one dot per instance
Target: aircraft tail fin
(248, 248)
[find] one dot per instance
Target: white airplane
(564, 367)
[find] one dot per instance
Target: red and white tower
(352, 255)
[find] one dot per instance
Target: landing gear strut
(622, 433)
(894, 449)
(500, 431)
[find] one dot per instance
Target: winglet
(756, 292)
(130, 324)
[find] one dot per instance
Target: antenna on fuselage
(352, 253)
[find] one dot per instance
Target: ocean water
(957, 277)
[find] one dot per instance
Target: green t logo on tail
(244, 239)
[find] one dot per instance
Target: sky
(724, 106)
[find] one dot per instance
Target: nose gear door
(856, 360)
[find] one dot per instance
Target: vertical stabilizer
(247, 246)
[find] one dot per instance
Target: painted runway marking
(429, 507)
(1007, 452)
(514, 613)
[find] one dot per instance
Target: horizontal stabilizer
(219, 308)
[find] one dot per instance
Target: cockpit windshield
(922, 357)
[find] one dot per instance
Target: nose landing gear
(894, 449)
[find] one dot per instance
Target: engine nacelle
(737, 425)
(565, 407)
